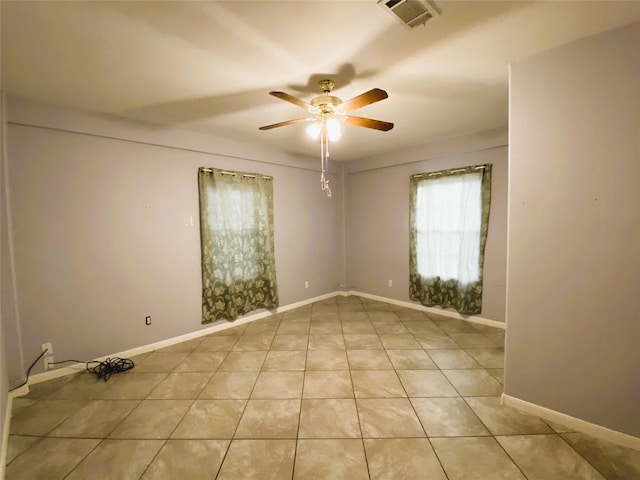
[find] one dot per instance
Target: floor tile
(503, 420)
(452, 325)
(278, 385)
(187, 459)
(117, 460)
(399, 341)
(217, 343)
(452, 359)
(325, 327)
(44, 416)
(18, 444)
(488, 357)
(83, 386)
(472, 340)
(50, 459)
(132, 385)
(353, 316)
(389, 327)
(560, 460)
(329, 418)
(187, 385)
(293, 328)
(383, 315)
(223, 385)
(497, 338)
(327, 360)
(615, 462)
(326, 342)
(327, 384)
(368, 360)
(411, 360)
(258, 459)
(402, 458)
(95, 420)
(243, 362)
(210, 419)
(388, 417)
(358, 326)
(160, 362)
(362, 341)
(337, 459)
(186, 347)
(20, 403)
(285, 360)
(44, 389)
(290, 342)
(475, 458)
(252, 343)
(473, 382)
(262, 327)
(435, 341)
(376, 384)
(448, 417)
(497, 373)
(426, 383)
(152, 419)
(201, 362)
(269, 419)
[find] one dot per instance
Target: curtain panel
(448, 226)
(236, 236)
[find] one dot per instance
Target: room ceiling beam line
(153, 144)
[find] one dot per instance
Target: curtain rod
(246, 175)
(455, 170)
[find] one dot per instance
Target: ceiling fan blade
(290, 98)
(367, 98)
(368, 123)
(282, 124)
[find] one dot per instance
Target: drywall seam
(598, 431)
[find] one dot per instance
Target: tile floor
(345, 388)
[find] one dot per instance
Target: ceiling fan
(326, 106)
(328, 113)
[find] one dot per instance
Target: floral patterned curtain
(236, 234)
(449, 222)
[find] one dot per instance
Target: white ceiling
(208, 66)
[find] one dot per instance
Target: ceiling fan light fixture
(333, 129)
(313, 130)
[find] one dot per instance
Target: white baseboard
(437, 311)
(78, 367)
(598, 431)
(5, 435)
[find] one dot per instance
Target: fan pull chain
(324, 160)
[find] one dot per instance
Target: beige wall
(101, 225)
(377, 218)
(573, 326)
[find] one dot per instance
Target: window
(449, 219)
(236, 231)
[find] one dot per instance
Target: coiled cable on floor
(103, 370)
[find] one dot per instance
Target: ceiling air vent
(410, 13)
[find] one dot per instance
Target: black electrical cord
(29, 371)
(103, 370)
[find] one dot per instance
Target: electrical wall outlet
(48, 362)
(390, 283)
(47, 358)
(48, 348)
(147, 320)
(306, 284)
